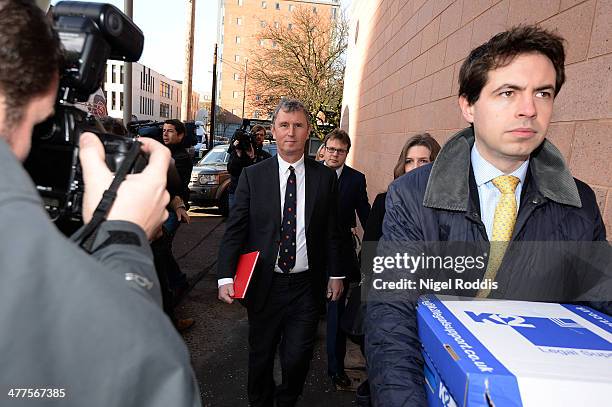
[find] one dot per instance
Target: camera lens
(114, 24)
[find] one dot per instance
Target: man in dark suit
(285, 208)
(352, 198)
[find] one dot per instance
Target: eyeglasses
(333, 150)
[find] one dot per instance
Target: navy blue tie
(286, 255)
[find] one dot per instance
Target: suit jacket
(255, 221)
(352, 198)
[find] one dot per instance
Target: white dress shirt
(301, 252)
(484, 173)
(339, 170)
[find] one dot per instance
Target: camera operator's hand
(238, 151)
(141, 198)
(251, 152)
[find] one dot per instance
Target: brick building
(239, 23)
(403, 62)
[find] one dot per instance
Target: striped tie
(503, 226)
(286, 255)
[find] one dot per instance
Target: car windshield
(217, 155)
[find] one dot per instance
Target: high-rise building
(240, 21)
(154, 96)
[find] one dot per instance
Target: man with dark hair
(85, 326)
(497, 181)
(286, 209)
(240, 159)
(352, 199)
(173, 133)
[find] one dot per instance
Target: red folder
(244, 272)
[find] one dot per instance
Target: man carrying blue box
(497, 181)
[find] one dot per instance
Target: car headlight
(208, 179)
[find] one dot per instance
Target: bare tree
(304, 59)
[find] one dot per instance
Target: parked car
(210, 179)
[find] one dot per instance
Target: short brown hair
(340, 135)
(423, 139)
(501, 50)
(30, 56)
(257, 128)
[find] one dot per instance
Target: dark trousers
(336, 338)
(290, 317)
(162, 258)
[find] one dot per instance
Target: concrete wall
(403, 62)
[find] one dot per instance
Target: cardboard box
(437, 393)
(513, 353)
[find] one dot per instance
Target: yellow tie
(503, 225)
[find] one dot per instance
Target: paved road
(218, 341)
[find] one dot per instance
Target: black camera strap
(87, 235)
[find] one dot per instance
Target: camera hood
(124, 37)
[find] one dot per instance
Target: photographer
(78, 329)
(244, 151)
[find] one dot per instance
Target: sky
(163, 25)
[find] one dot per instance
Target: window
(237, 40)
(289, 26)
(236, 76)
(334, 10)
(236, 58)
(277, 6)
(314, 10)
(262, 42)
(120, 100)
(239, 21)
(121, 74)
(256, 114)
(164, 110)
(264, 4)
(276, 24)
(290, 7)
(262, 24)
(114, 73)
(273, 44)
(113, 101)
(164, 89)
(235, 94)
(240, 3)
(257, 97)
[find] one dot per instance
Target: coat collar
(448, 185)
